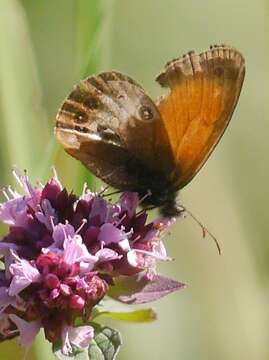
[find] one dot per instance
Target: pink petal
(99, 208)
(33, 194)
(87, 195)
(160, 251)
(14, 212)
(132, 258)
(60, 233)
(18, 284)
(28, 330)
(129, 202)
(23, 275)
(75, 251)
(78, 336)
(125, 245)
(112, 212)
(110, 234)
(160, 226)
(46, 214)
(107, 255)
(146, 260)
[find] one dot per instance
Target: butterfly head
(164, 198)
(172, 209)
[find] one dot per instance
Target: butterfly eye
(145, 113)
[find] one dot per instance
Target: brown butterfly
(113, 127)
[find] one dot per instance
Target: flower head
(62, 255)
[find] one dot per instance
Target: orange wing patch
(204, 91)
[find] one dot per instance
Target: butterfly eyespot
(145, 113)
(81, 117)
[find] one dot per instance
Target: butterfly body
(156, 191)
(117, 131)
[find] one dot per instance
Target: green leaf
(104, 346)
(93, 28)
(132, 290)
(78, 355)
(136, 316)
(106, 343)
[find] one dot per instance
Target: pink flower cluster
(64, 253)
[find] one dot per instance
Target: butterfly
(132, 143)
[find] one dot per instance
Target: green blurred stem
(94, 21)
(24, 134)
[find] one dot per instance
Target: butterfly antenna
(204, 229)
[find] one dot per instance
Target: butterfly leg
(112, 193)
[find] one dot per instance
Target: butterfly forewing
(204, 91)
(110, 124)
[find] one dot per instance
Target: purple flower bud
(51, 190)
(51, 281)
(76, 302)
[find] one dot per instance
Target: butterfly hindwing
(204, 91)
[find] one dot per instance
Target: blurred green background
(47, 46)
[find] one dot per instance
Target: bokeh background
(46, 46)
